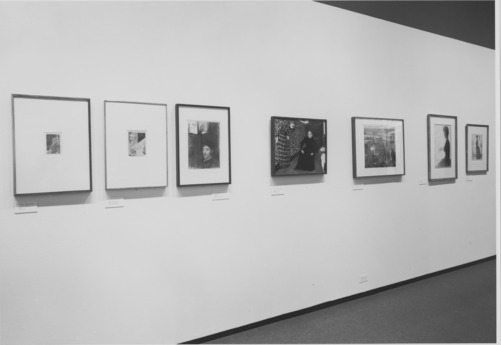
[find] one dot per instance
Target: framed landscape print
(136, 144)
(298, 146)
(378, 147)
(52, 144)
(477, 149)
(442, 147)
(203, 145)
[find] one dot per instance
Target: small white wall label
(423, 181)
(277, 191)
(220, 196)
(358, 187)
(26, 207)
(114, 203)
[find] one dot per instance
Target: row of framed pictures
(379, 150)
(52, 145)
(299, 146)
(378, 146)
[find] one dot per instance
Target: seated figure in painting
(390, 157)
(371, 160)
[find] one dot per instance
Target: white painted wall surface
(173, 265)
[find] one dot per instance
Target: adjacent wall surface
(173, 265)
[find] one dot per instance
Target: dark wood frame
(354, 145)
(106, 152)
(52, 98)
(272, 137)
(178, 175)
(428, 120)
(473, 172)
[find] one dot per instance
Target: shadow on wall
(377, 180)
(55, 199)
(441, 182)
(296, 180)
(476, 173)
(191, 191)
(136, 193)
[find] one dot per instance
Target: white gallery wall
(174, 265)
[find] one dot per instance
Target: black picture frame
(442, 166)
(38, 171)
(287, 157)
(213, 128)
(383, 153)
(121, 172)
(476, 154)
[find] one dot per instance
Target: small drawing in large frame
(378, 147)
(477, 149)
(52, 144)
(136, 144)
(442, 147)
(298, 146)
(203, 152)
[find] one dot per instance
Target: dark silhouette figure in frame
(446, 149)
(477, 152)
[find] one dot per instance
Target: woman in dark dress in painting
(306, 158)
(478, 151)
(446, 162)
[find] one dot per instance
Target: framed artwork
(298, 146)
(52, 144)
(203, 145)
(378, 147)
(136, 144)
(477, 149)
(442, 147)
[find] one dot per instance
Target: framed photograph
(203, 145)
(52, 144)
(298, 146)
(442, 147)
(477, 149)
(378, 147)
(136, 144)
